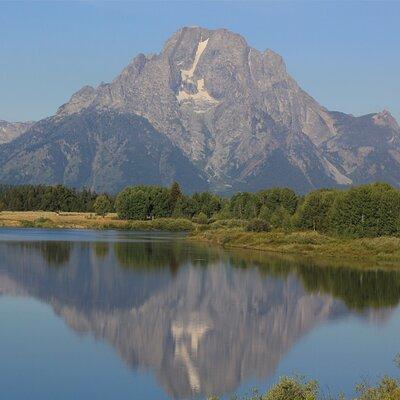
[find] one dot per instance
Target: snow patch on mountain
(187, 74)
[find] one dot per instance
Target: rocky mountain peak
(78, 101)
(233, 112)
(385, 118)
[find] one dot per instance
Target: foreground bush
(286, 389)
(201, 219)
(298, 389)
(387, 389)
(292, 389)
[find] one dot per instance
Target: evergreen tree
(174, 195)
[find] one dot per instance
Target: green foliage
(162, 224)
(228, 223)
(286, 389)
(244, 205)
(174, 195)
(265, 213)
(133, 203)
(201, 218)
(275, 206)
(292, 389)
(367, 211)
(276, 198)
(295, 388)
(207, 203)
(184, 207)
(103, 205)
(143, 202)
(225, 212)
(46, 198)
(314, 213)
(281, 218)
(387, 389)
(258, 225)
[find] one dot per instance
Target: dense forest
(364, 211)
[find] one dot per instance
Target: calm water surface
(118, 315)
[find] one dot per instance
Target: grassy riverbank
(47, 219)
(229, 234)
(381, 250)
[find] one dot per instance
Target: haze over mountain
(210, 112)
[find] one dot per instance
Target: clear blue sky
(345, 54)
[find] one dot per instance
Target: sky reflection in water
(115, 315)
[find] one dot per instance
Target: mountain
(231, 112)
(11, 130)
(105, 150)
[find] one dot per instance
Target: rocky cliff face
(237, 116)
(366, 148)
(104, 150)
(11, 130)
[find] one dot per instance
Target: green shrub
(288, 389)
(292, 389)
(41, 222)
(296, 388)
(258, 225)
(387, 389)
(201, 218)
(228, 223)
(27, 224)
(162, 224)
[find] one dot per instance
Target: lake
(118, 315)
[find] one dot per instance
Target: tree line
(365, 211)
(46, 198)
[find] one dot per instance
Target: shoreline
(381, 252)
(77, 220)
(370, 252)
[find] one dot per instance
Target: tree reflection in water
(203, 319)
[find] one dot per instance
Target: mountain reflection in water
(203, 319)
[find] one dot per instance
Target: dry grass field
(47, 219)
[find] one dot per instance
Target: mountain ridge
(11, 130)
(237, 116)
